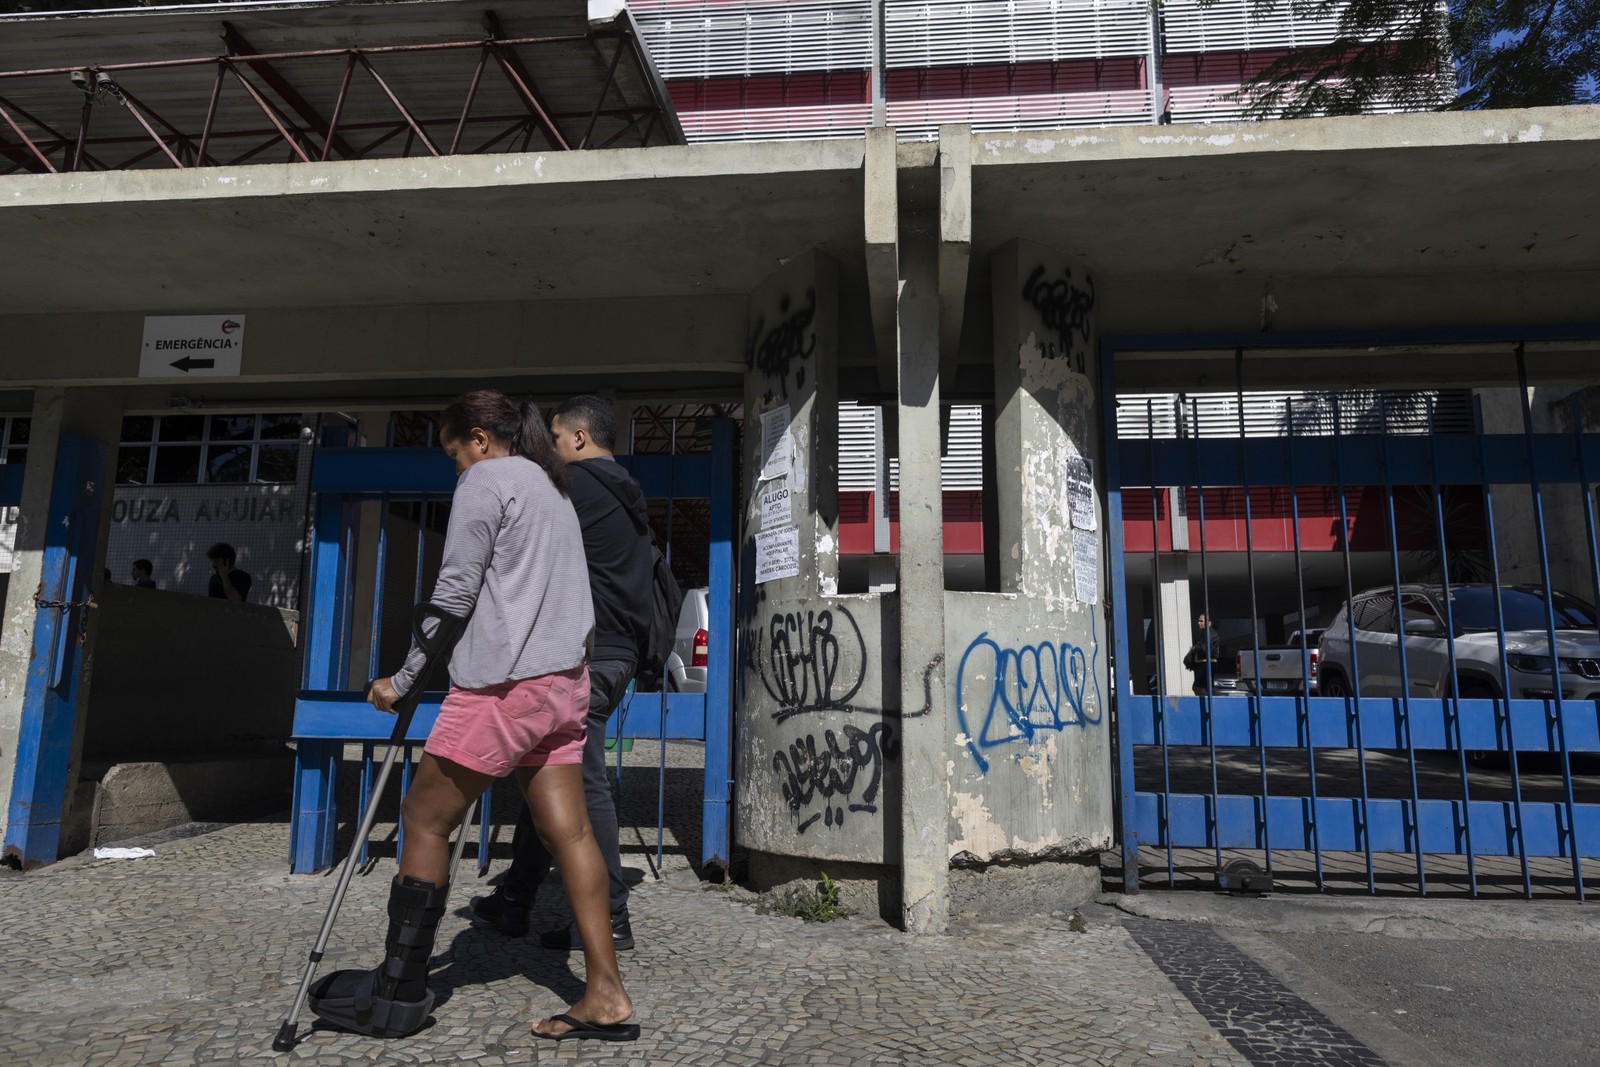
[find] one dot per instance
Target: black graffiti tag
(1065, 309)
(774, 352)
(835, 772)
(801, 671)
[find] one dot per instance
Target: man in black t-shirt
(616, 544)
(227, 581)
(142, 569)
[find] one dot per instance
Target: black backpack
(666, 601)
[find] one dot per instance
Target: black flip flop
(582, 1031)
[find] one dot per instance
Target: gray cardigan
(513, 563)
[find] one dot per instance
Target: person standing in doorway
(616, 544)
(227, 581)
(1202, 657)
(142, 569)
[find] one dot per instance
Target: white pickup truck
(1282, 670)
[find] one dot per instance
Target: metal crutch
(435, 647)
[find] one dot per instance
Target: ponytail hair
(519, 427)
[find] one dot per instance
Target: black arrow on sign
(189, 363)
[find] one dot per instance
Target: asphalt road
(1423, 982)
(1480, 1001)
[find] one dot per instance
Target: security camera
(80, 80)
(103, 81)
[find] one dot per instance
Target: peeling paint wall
(1030, 761)
(816, 718)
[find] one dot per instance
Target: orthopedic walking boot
(393, 999)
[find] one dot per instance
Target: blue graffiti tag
(1041, 688)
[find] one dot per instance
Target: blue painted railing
(329, 715)
(1235, 806)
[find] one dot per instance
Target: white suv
(691, 644)
(1476, 640)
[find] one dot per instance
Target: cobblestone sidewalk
(193, 955)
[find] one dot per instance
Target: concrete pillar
(1028, 672)
(816, 719)
(925, 739)
(94, 413)
(1176, 621)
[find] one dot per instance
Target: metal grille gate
(1366, 774)
(412, 487)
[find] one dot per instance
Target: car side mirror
(1424, 627)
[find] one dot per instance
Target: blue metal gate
(330, 714)
(1366, 771)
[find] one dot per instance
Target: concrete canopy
(1377, 222)
(632, 261)
(637, 262)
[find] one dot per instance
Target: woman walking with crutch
(514, 567)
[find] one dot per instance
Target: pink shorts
(532, 722)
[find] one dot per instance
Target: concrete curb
(1422, 918)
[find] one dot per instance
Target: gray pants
(530, 860)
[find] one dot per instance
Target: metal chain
(40, 601)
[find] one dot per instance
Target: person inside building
(513, 567)
(616, 543)
(1202, 656)
(227, 581)
(142, 569)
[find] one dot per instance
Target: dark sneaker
(566, 939)
(501, 911)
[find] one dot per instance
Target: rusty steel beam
(56, 136)
(19, 158)
(315, 53)
(180, 137)
(238, 46)
(547, 125)
(417, 130)
(472, 94)
(301, 127)
(211, 109)
(267, 108)
(256, 151)
(605, 90)
(512, 132)
(72, 161)
(515, 70)
(338, 109)
(23, 137)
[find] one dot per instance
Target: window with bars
(208, 449)
(14, 431)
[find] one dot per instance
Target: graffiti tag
(803, 659)
(773, 352)
(1029, 690)
(1065, 309)
(835, 772)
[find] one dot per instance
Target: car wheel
(1333, 685)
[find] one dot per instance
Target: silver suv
(1476, 639)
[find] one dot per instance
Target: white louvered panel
(920, 119)
(733, 39)
(1225, 103)
(857, 448)
(1142, 416)
(942, 33)
(776, 123)
(1236, 25)
(1272, 414)
(961, 466)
